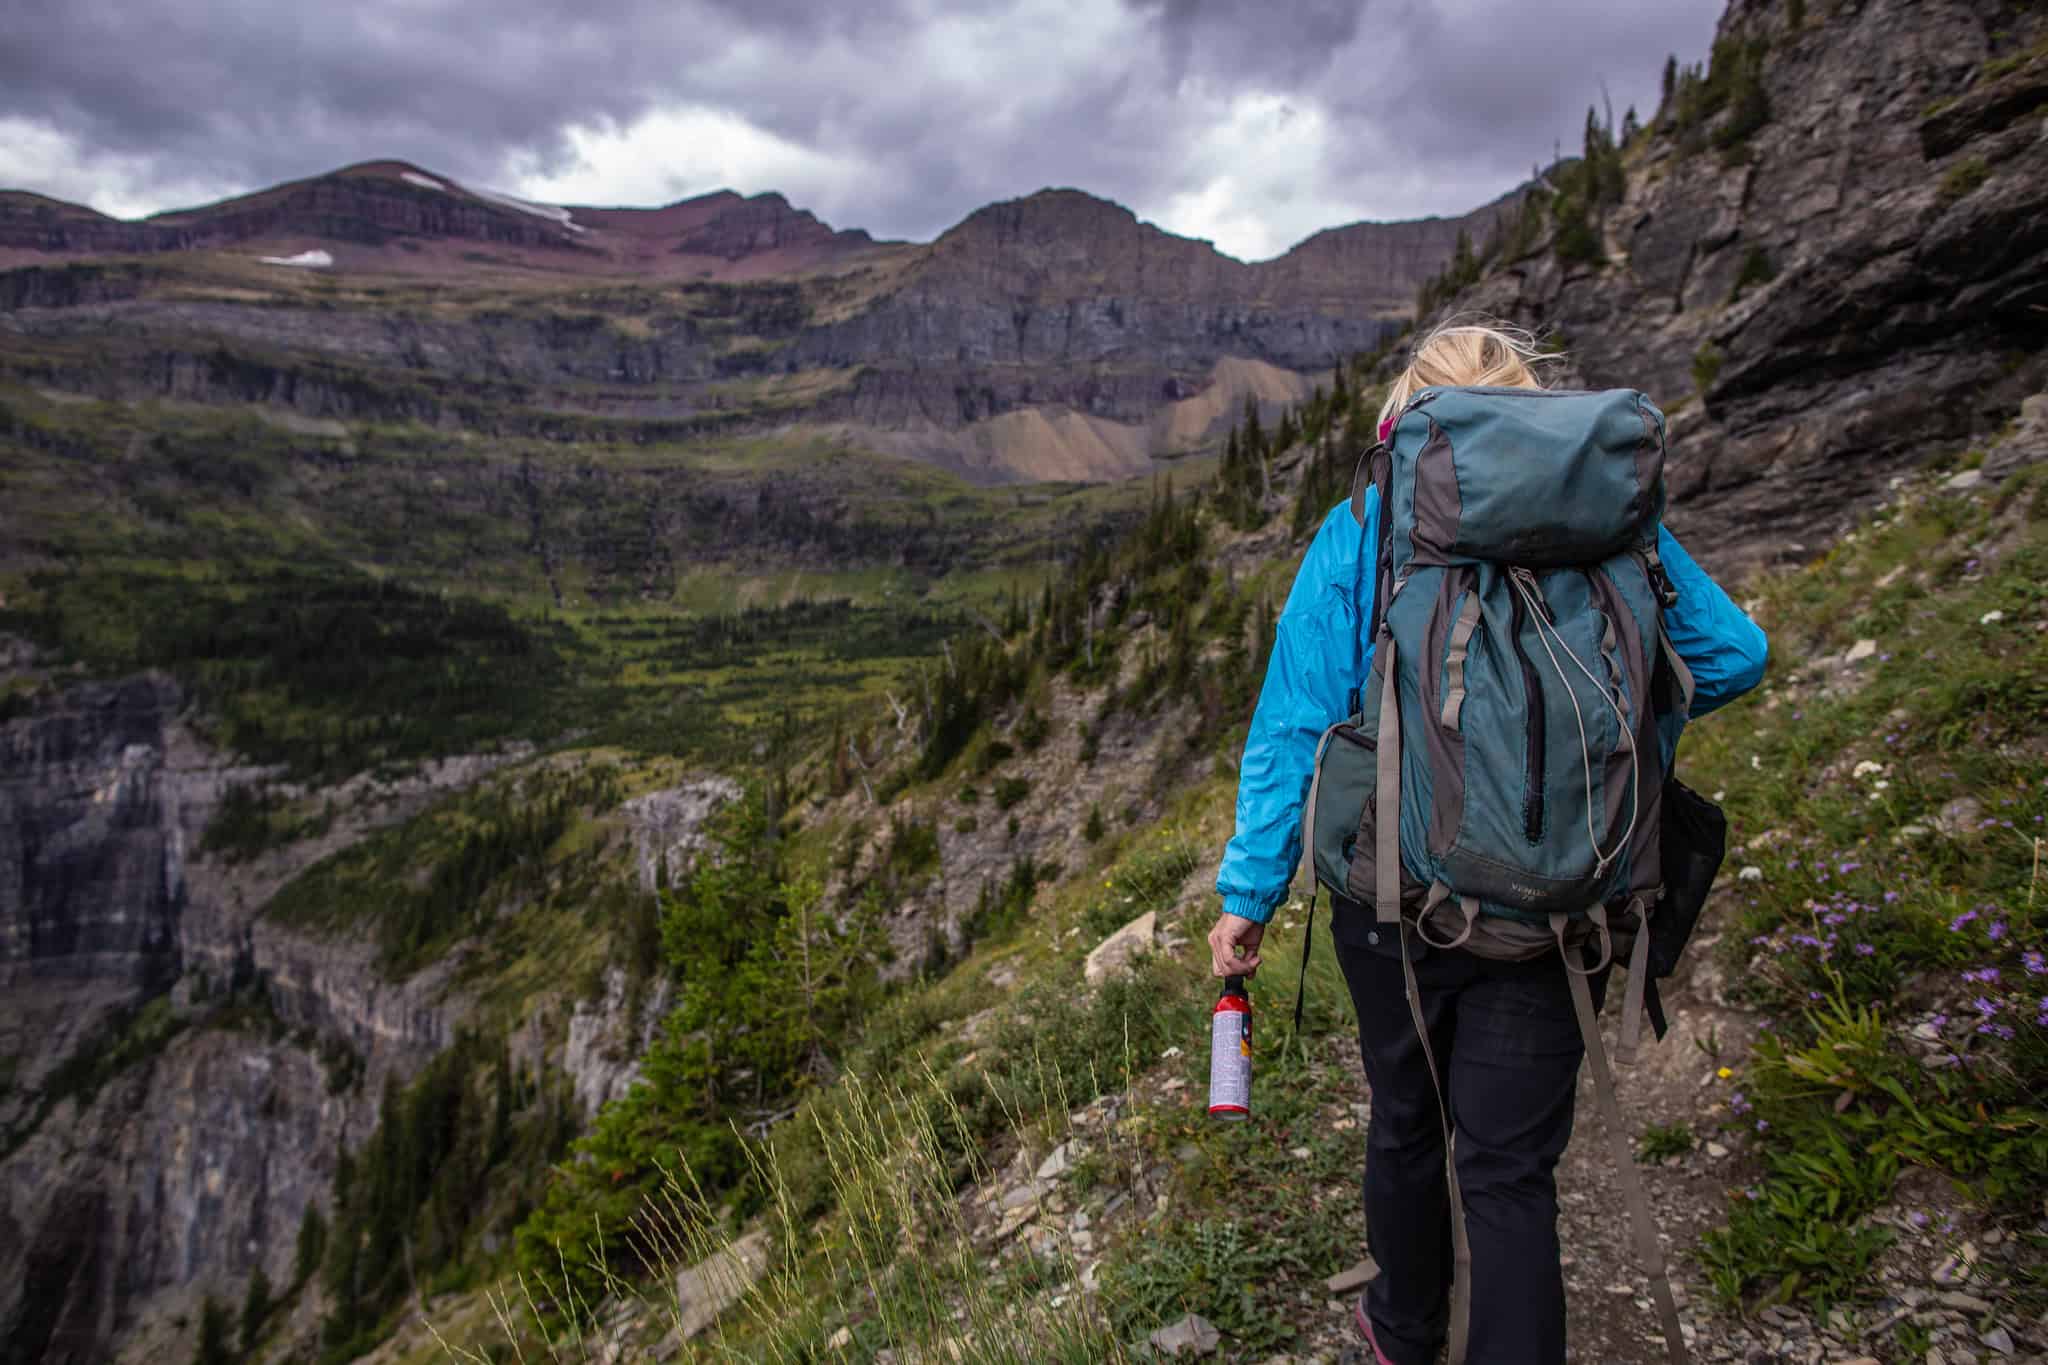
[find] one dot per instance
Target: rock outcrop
(1860, 284)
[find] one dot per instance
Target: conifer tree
(255, 1308)
(214, 1346)
(312, 1244)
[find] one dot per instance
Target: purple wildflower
(2036, 964)
(1985, 1007)
(1739, 1102)
(1996, 929)
(1865, 950)
(1955, 926)
(1763, 1125)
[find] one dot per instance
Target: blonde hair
(1469, 350)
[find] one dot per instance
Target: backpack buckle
(1660, 582)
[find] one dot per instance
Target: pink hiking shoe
(1365, 1328)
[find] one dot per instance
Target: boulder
(1192, 1336)
(720, 1280)
(1959, 817)
(1120, 949)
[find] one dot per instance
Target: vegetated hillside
(1007, 1159)
(384, 293)
(1826, 253)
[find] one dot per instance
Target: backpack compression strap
(1461, 1244)
(1641, 1222)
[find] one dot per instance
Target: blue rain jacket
(1319, 657)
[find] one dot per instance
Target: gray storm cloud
(928, 111)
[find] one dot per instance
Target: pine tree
(255, 1308)
(312, 1244)
(214, 1346)
(1670, 83)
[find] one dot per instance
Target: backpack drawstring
(1523, 582)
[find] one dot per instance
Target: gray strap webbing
(1678, 664)
(1308, 812)
(1610, 653)
(1638, 979)
(1387, 790)
(1461, 1244)
(1461, 641)
(1639, 1217)
(1598, 916)
(1438, 895)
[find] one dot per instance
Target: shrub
(1706, 366)
(1009, 791)
(1662, 1140)
(1032, 729)
(992, 754)
(1964, 178)
(913, 846)
(1756, 269)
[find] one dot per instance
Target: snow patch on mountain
(315, 260)
(550, 212)
(423, 181)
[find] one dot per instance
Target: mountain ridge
(717, 311)
(228, 220)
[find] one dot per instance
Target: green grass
(1874, 912)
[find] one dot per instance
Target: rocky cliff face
(1897, 198)
(153, 1142)
(1064, 278)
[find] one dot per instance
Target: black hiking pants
(1508, 1048)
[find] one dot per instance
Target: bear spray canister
(1230, 1053)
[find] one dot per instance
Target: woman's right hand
(1234, 945)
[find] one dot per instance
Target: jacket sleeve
(1318, 658)
(1725, 650)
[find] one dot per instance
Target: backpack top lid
(1534, 477)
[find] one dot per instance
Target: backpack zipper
(1533, 717)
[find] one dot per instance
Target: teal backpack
(1499, 786)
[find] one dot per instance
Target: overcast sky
(1250, 122)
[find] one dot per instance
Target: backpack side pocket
(1347, 769)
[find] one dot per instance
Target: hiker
(1505, 1036)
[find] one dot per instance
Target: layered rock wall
(1898, 198)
